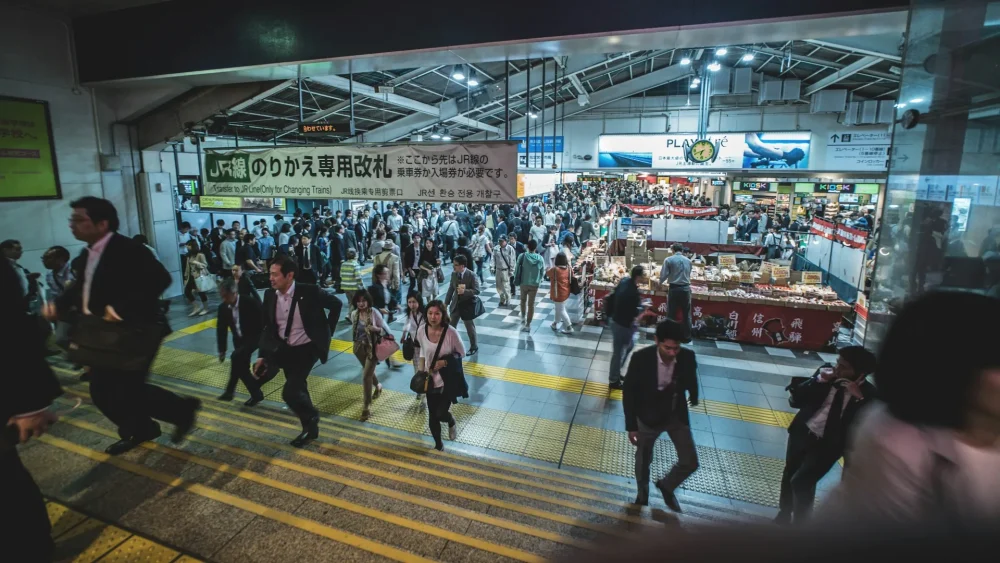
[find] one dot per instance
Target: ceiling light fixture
(747, 57)
(695, 80)
(721, 51)
(532, 115)
(435, 135)
(693, 85)
(472, 79)
(901, 106)
(457, 74)
(916, 100)
(715, 67)
(445, 135)
(685, 61)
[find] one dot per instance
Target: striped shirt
(350, 276)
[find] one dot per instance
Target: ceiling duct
(828, 101)
(742, 80)
(721, 79)
(779, 91)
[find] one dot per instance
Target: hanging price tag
(812, 278)
(727, 259)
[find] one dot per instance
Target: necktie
(834, 419)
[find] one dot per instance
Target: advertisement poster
(470, 172)
(27, 155)
(747, 151)
(858, 150)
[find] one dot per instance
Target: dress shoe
(122, 446)
(474, 350)
(309, 433)
(85, 376)
(253, 401)
(669, 498)
(783, 519)
(184, 428)
(616, 385)
(642, 499)
(226, 397)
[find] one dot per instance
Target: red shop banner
(643, 210)
(823, 228)
(854, 238)
(751, 323)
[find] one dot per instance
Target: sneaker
(566, 330)
(525, 328)
(453, 432)
(194, 311)
(203, 312)
(554, 327)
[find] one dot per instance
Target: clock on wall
(702, 151)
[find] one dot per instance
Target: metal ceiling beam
(848, 49)
(846, 72)
(826, 63)
(262, 96)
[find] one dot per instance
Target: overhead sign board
(858, 150)
(835, 188)
(325, 129)
(468, 172)
(757, 186)
(27, 154)
(748, 151)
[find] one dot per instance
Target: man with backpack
(528, 274)
(621, 308)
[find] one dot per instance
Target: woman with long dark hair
(368, 325)
(441, 353)
(195, 267)
(415, 314)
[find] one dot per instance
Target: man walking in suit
(461, 295)
(828, 403)
(242, 314)
(120, 280)
(338, 250)
(28, 390)
(296, 333)
(310, 261)
(654, 403)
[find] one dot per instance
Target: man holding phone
(828, 402)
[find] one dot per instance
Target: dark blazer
(468, 277)
(350, 241)
(378, 297)
(453, 375)
(128, 277)
(361, 231)
(338, 251)
(311, 302)
(641, 399)
(246, 287)
(251, 319)
(315, 258)
(809, 396)
(29, 384)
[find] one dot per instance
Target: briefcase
(124, 346)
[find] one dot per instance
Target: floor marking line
(382, 491)
(323, 498)
(240, 503)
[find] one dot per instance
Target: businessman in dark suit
(338, 253)
(654, 403)
(361, 237)
(828, 403)
(120, 280)
(310, 260)
(243, 315)
(29, 387)
(296, 333)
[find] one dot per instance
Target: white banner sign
(858, 150)
(748, 151)
(468, 172)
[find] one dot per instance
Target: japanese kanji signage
(27, 155)
(673, 210)
(858, 150)
(468, 172)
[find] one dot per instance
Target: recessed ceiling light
(686, 61)
(715, 67)
(721, 51)
(748, 57)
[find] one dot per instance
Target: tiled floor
(543, 395)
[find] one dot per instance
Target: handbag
(204, 283)
(574, 285)
(439, 275)
(385, 347)
(472, 309)
(409, 348)
(124, 345)
(420, 382)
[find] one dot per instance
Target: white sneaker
(567, 330)
(453, 432)
(203, 312)
(526, 328)
(194, 311)
(554, 326)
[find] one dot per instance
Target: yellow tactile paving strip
(736, 475)
(756, 415)
(96, 541)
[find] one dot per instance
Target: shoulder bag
(205, 282)
(574, 285)
(385, 343)
(420, 382)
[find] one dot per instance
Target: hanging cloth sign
(673, 210)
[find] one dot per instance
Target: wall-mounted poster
(747, 151)
(27, 152)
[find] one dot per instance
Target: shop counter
(751, 323)
(617, 247)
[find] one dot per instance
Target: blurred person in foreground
(654, 402)
(828, 403)
(931, 443)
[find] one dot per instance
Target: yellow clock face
(702, 151)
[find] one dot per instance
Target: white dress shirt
(664, 372)
(235, 308)
(817, 424)
(93, 259)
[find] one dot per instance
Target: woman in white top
(931, 446)
(481, 245)
(195, 267)
(439, 396)
(414, 320)
(367, 324)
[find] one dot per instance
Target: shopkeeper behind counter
(676, 271)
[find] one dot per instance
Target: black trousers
(26, 531)
(807, 460)
(679, 301)
(297, 361)
(438, 411)
(335, 272)
(239, 370)
(131, 403)
(307, 276)
(449, 246)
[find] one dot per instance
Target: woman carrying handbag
(440, 367)
(367, 326)
(198, 279)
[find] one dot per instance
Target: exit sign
(325, 129)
